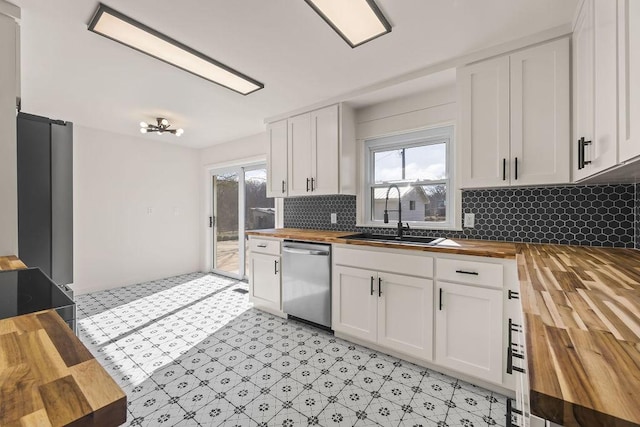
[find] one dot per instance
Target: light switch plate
(469, 220)
(334, 218)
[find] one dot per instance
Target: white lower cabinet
(392, 310)
(405, 314)
(469, 330)
(264, 274)
(354, 309)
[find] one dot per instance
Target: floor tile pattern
(190, 351)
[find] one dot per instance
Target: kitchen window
(419, 163)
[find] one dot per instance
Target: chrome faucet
(401, 228)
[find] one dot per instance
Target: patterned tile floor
(191, 351)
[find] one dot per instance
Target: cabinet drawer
(265, 246)
(402, 263)
(473, 272)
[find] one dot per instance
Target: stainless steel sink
(405, 240)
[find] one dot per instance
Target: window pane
(419, 203)
(427, 162)
(436, 203)
(387, 166)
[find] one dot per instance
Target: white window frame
(412, 138)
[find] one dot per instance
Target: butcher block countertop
(581, 310)
(48, 378)
(484, 248)
(11, 262)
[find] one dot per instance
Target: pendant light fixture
(160, 128)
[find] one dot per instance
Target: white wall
(116, 180)
(8, 162)
(234, 153)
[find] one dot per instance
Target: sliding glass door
(240, 203)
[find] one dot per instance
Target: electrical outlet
(334, 218)
(149, 211)
(469, 220)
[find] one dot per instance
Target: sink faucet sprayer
(401, 228)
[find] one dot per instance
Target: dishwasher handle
(304, 251)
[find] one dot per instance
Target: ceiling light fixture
(162, 127)
(356, 21)
(122, 29)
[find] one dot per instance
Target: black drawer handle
(371, 285)
(440, 300)
(275, 267)
(516, 168)
(510, 411)
(313, 184)
(514, 295)
(283, 189)
(307, 184)
(473, 273)
(379, 287)
(504, 169)
(262, 245)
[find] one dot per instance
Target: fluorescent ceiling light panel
(357, 21)
(118, 27)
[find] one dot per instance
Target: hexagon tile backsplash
(596, 215)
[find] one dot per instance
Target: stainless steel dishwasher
(306, 281)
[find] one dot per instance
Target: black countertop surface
(30, 290)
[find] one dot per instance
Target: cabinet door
(540, 105)
(583, 84)
(469, 330)
(405, 314)
(299, 155)
(354, 303)
(325, 149)
(277, 160)
(484, 123)
(264, 280)
(595, 87)
(629, 78)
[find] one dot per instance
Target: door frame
(239, 166)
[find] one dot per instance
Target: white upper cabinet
(595, 95)
(277, 159)
(540, 119)
(629, 78)
(300, 151)
(325, 142)
(514, 118)
(313, 154)
(484, 123)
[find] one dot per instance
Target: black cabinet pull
(440, 300)
(379, 287)
(371, 285)
(283, 190)
(584, 160)
(510, 411)
(580, 154)
(514, 295)
(307, 184)
(275, 266)
(313, 184)
(473, 273)
(516, 169)
(504, 169)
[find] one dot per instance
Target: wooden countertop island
(11, 262)
(49, 378)
(581, 310)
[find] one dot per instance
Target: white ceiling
(72, 74)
